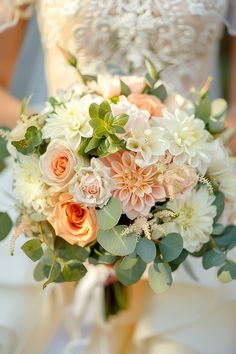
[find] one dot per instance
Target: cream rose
(93, 186)
(72, 222)
(150, 103)
(109, 86)
(58, 165)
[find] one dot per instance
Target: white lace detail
(177, 32)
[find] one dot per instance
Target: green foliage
(171, 247)
(160, 92)
(54, 273)
(219, 202)
(131, 275)
(152, 71)
(105, 127)
(25, 104)
(32, 139)
(146, 250)
(203, 109)
(38, 217)
(124, 89)
(218, 229)
(160, 277)
(68, 252)
(33, 249)
(5, 225)
(129, 261)
(109, 215)
(213, 258)
(73, 270)
(114, 243)
(227, 239)
(218, 113)
(228, 272)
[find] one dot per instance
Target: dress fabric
(192, 317)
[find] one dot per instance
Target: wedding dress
(192, 317)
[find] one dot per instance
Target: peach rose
(109, 86)
(58, 165)
(148, 102)
(72, 222)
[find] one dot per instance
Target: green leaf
(54, 273)
(129, 261)
(39, 272)
(82, 146)
(25, 104)
(227, 239)
(3, 145)
(218, 229)
(110, 214)
(179, 260)
(219, 202)
(73, 271)
(125, 90)
(146, 250)
(114, 243)
(160, 277)
(228, 272)
(160, 92)
(5, 225)
(32, 139)
(151, 69)
(93, 144)
(107, 258)
(67, 252)
(203, 110)
(97, 123)
(33, 249)
(119, 130)
(131, 275)
(171, 246)
(38, 217)
(104, 108)
(120, 120)
(213, 258)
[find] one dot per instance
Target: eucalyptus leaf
(131, 275)
(218, 229)
(33, 249)
(5, 225)
(39, 272)
(219, 202)
(129, 261)
(110, 214)
(171, 246)
(160, 277)
(68, 252)
(73, 271)
(227, 239)
(213, 258)
(146, 249)
(54, 273)
(114, 243)
(203, 109)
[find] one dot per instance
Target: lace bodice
(180, 33)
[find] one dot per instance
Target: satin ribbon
(87, 311)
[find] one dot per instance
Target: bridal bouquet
(122, 174)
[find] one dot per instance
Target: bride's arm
(231, 119)
(10, 44)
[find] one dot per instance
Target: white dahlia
(188, 139)
(70, 121)
(148, 143)
(28, 183)
(194, 220)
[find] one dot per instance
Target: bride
(192, 317)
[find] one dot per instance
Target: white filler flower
(195, 218)
(70, 121)
(188, 139)
(28, 183)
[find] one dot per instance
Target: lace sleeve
(231, 18)
(12, 10)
